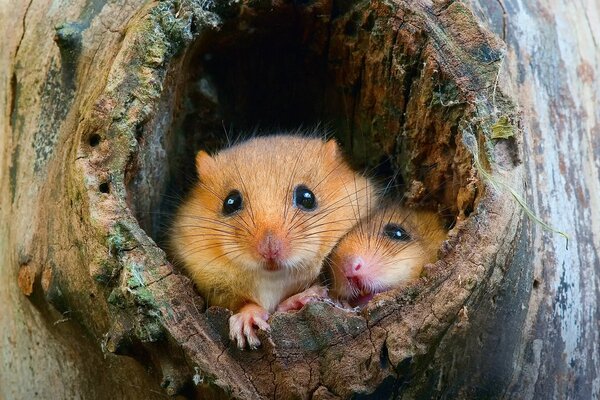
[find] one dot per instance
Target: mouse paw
(299, 300)
(242, 325)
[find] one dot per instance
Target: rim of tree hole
(413, 83)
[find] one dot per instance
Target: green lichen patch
(149, 329)
(117, 299)
(135, 271)
(144, 297)
(107, 272)
(68, 35)
(503, 129)
(446, 94)
(120, 239)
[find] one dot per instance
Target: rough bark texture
(105, 103)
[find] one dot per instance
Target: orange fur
(220, 252)
(387, 263)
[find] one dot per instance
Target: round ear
(205, 164)
(331, 150)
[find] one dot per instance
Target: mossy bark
(106, 100)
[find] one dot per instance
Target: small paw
(297, 301)
(242, 325)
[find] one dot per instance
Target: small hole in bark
(405, 366)
(194, 25)
(536, 283)
(94, 139)
(369, 23)
(468, 210)
(368, 363)
(139, 131)
(350, 29)
(384, 356)
(104, 187)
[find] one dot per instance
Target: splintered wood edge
(336, 352)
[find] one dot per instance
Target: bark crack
(159, 279)
(505, 19)
(392, 50)
(587, 18)
(274, 377)
(24, 25)
(13, 80)
(220, 354)
(13, 100)
(249, 378)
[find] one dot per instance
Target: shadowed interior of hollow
(342, 68)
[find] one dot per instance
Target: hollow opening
(94, 139)
(104, 187)
(384, 80)
(341, 67)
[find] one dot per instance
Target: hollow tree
(473, 104)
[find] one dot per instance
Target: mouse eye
(232, 203)
(396, 233)
(304, 199)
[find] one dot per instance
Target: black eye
(304, 199)
(396, 232)
(232, 203)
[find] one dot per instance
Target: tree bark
(44, 353)
(97, 121)
(554, 62)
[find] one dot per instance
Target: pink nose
(353, 265)
(270, 247)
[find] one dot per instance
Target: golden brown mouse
(263, 216)
(385, 250)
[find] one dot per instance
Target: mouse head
(385, 250)
(277, 203)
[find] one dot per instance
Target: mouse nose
(270, 247)
(353, 265)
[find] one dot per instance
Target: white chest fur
(273, 287)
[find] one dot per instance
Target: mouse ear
(205, 164)
(332, 150)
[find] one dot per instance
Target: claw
(242, 325)
(297, 301)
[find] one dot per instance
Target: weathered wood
(554, 62)
(99, 126)
(44, 352)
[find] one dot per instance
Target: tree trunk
(105, 103)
